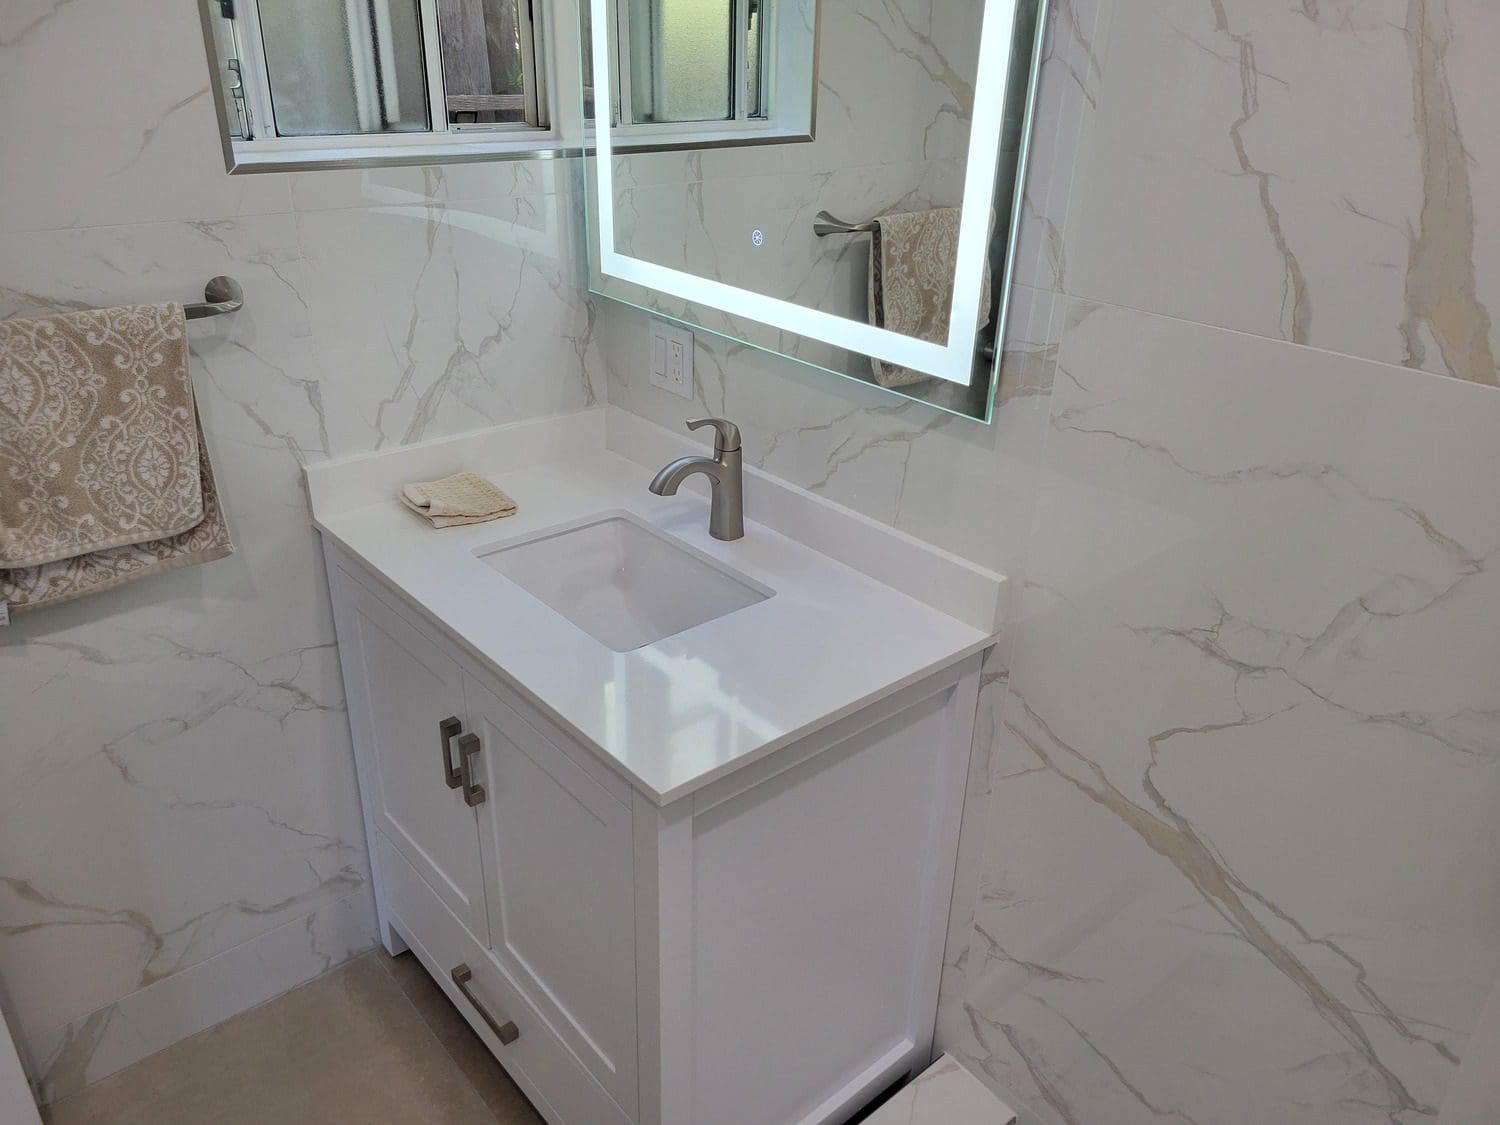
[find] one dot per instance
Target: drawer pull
(506, 1032)
(468, 747)
(448, 730)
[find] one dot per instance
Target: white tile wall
(177, 801)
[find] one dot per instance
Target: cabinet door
(406, 707)
(560, 881)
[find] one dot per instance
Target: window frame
(556, 24)
(441, 142)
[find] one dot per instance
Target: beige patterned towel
(104, 476)
(913, 257)
(65, 579)
(463, 498)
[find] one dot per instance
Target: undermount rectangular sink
(623, 582)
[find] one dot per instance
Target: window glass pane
(344, 66)
(681, 59)
(482, 67)
(754, 56)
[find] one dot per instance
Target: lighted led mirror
(832, 180)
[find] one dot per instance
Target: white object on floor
(944, 1094)
(16, 1104)
(1473, 1097)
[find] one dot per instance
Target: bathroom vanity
(672, 820)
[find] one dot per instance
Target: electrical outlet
(672, 358)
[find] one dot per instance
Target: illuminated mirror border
(952, 361)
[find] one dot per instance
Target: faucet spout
(726, 518)
(667, 482)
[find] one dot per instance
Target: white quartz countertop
(674, 715)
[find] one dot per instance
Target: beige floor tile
(487, 1076)
(349, 1047)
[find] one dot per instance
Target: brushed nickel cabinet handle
(448, 730)
(468, 747)
(506, 1032)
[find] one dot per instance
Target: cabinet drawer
(542, 1065)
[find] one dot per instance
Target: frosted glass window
(687, 48)
(344, 66)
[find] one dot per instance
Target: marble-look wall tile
(70, 1057)
(443, 317)
(1320, 173)
(176, 761)
(107, 117)
(1243, 824)
(1067, 99)
(178, 808)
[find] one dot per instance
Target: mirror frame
(952, 361)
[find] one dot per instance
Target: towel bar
(826, 224)
(221, 295)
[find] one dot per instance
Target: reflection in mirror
(685, 73)
(868, 231)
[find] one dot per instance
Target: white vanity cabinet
(527, 848)
(762, 950)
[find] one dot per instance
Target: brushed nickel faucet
(726, 516)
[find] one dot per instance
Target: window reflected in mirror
(877, 245)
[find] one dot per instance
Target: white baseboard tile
(85, 1050)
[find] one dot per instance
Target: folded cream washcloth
(463, 498)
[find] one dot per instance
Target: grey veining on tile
(1441, 287)
(1253, 660)
(88, 1049)
(190, 730)
(1332, 173)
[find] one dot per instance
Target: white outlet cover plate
(671, 368)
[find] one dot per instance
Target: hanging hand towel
(104, 476)
(913, 257)
(463, 498)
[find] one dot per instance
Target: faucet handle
(727, 436)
